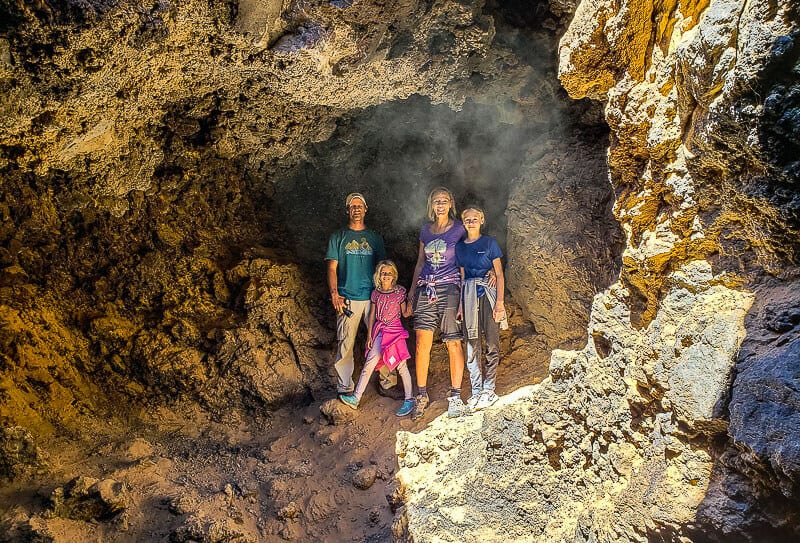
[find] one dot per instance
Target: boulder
(337, 412)
(365, 477)
(88, 499)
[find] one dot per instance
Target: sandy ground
(283, 475)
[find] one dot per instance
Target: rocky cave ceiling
(171, 171)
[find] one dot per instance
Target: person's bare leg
(456, 354)
(423, 355)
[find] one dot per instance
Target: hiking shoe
(486, 398)
(420, 403)
(349, 400)
(406, 408)
(455, 407)
(473, 402)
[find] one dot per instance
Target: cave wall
(564, 244)
(148, 151)
(158, 239)
(679, 417)
(140, 149)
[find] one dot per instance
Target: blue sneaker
(349, 400)
(406, 408)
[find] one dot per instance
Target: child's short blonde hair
(441, 190)
(477, 210)
(376, 277)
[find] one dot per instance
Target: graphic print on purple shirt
(440, 251)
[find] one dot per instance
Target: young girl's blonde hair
(376, 277)
(442, 190)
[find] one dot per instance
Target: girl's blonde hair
(477, 210)
(376, 277)
(442, 190)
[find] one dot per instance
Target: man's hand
(337, 301)
(369, 342)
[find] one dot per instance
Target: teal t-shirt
(357, 253)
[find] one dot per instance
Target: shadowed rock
(88, 499)
(337, 412)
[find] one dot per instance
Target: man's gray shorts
(440, 314)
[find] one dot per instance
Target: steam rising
(395, 154)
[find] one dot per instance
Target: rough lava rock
(87, 499)
(337, 412)
(563, 245)
(579, 452)
(18, 453)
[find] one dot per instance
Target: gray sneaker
(420, 403)
(455, 407)
(486, 399)
(472, 402)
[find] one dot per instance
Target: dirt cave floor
(173, 474)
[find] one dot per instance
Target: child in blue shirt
(483, 307)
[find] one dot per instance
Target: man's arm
(333, 286)
(380, 250)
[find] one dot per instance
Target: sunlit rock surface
(678, 419)
(607, 447)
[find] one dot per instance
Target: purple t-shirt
(440, 253)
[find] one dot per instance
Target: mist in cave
(171, 172)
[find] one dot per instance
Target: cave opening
(395, 154)
(177, 323)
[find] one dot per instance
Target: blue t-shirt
(357, 253)
(440, 252)
(476, 258)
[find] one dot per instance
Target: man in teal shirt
(353, 252)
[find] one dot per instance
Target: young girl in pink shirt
(386, 340)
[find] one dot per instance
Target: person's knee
(424, 338)
(454, 347)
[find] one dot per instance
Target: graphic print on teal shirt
(357, 252)
(356, 248)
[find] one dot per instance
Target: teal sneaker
(406, 408)
(349, 400)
